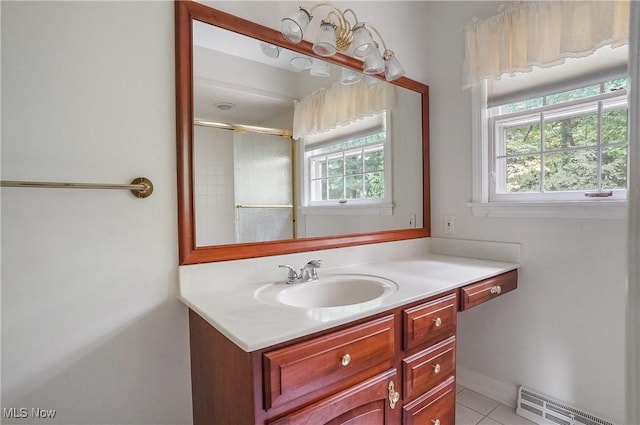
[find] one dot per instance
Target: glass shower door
(263, 187)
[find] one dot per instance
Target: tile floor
(475, 409)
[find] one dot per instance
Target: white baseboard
(504, 393)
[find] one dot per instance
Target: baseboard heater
(545, 410)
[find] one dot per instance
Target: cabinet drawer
(430, 322)
(436, 407)
(328, 363)
(424, 370)
(488, 289)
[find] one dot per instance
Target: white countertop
(233, 309)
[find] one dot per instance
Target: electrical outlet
(449, 223)
(412, 221)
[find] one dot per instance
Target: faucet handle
(311, 269)
(292, 273)
(315, 263)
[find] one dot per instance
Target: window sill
(346, 209)
(554, 209)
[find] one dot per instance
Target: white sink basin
(329, 291)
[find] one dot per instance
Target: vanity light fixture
(337, 33)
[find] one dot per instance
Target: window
(548, 126)
(349, 166)
(565, 145)
(353, 169)
(553, 142)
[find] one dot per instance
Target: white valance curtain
(340, 104)
(541, 33)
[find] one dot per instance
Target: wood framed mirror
(190, 252)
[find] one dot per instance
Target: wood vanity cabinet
(365, 372)
(395, 367)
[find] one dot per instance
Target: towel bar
(141, 187)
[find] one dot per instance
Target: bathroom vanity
(388, 362)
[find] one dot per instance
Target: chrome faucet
(308, 273)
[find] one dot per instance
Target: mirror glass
(352, 166)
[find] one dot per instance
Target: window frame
(596, 105)
(486, 203)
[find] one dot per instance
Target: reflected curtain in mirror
(341, 104)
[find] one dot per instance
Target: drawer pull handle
(346, 359)
(496, 290)
(394, 396)
(435, 421)
(438, 322)
(436, 368)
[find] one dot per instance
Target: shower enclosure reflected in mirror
(243, 186)
(247, 188)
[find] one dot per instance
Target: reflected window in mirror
(348, 169)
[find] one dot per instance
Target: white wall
(91, 325)
(633, 291)
(562, 331)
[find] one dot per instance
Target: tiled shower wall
(215, 212)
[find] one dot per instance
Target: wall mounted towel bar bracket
(141, 187)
